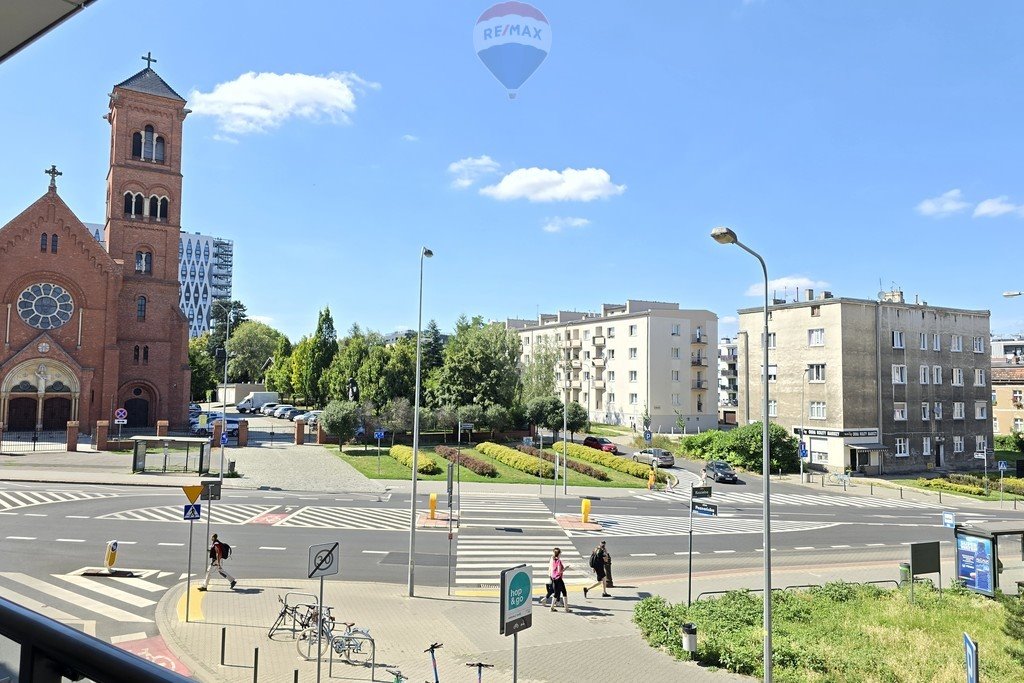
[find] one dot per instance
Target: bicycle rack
(289, 610)
(373, 655)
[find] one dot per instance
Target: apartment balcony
(698, 339)
(576, 364)
(598, 362)
(699, 384)
(729, 373)
(576, 384)
(572, 344)
(598, 384)
(598, 341)
(699, 361)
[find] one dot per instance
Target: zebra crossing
(654, 525)
(498, 531)
(223, 514)
(319, 517)
(15, 499)
(785, 499)
(371, 519)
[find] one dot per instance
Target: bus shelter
(171, 454)
(990, 556)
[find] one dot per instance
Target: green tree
(480, 367)
(544, 411)
(218, 322)
(431, 348)
(401, 369)
(299, 361)
(743, 447)
(203, 366)
(352, 352)
(397, 416)
(538, 373)
(578, 420)
(321, 353)
(470, 414)
(279, 376)
(498, 418)
(249, 348)
(340, 419)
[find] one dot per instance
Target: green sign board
(516, 599)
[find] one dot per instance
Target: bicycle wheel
(358, 649)
(310, 642)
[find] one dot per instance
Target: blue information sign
(971, 655)
(1003, 465)
(379, 434)
(974, 563)
(192, 512)
(949, 519)
(647, 436)
(224, 439)
(803, 450)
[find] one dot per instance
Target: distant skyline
(855, 145)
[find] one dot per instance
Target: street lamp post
(224, 395)
(424, 254)
(727, 236)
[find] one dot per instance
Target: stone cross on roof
(149, 59)
(53, 173)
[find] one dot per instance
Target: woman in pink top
(556, 570)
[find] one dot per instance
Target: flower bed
(946, 485)
(614, 462)
(574, 465)
(425, 464)
(471, 463)
(516, 460)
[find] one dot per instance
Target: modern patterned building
(204, 271)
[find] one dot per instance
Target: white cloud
(945, 204)
(997, 206)
(546, 185)
(728, 320)
(558, 223)
(410, 138)
(471, 169)
(224, 138)
(259, 102)
(788, 283)
(265, 319)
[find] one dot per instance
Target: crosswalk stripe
(105, 590)
(35, 605)
(651, 525)
(141, 584)
(377, 519)
(787, 499)
(13, 499)
(77, 599)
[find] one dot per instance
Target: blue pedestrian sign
(1003, 465)
(379, 434)
(224, 439)
(803, 451)
(971, 654)
(192, 512)
(647, 435)
(949, 520)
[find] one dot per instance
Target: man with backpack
(598, 559)
(219, 551)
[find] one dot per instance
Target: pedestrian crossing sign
(192, 512)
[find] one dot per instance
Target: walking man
(218, 552)
(598, 559)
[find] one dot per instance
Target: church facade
(88, 327)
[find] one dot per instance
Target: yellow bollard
(433, 504)
(585, 509)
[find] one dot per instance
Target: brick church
(89, 327)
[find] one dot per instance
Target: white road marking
(21, 538)
(36, 606)
(874, 545)
(723, 552)
(114, 640)
(839, 546)
(76, 516)
(375, 552)
(75, 598)
(804, 547)
(643, 554)
(171, 544)
(34, 514)
(105, 590)
(71, 540)
(270, 547)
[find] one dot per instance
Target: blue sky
(849, 142)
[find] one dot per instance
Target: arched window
(136, 145)
(139, 206)
(135, 355)
(53, 243)
(159, 152)
(154, 206)
(128, 203)
(145, 355)
(147, 144)
(42, 242)
(143, 262)
(163, 208)
(140, 309)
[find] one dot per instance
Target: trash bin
(905, 574)
(689, 637)
(231, 465)
(807, 477)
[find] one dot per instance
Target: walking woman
(556, 572)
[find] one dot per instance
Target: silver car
(655, 456)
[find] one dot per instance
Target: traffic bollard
(223, 641)
(585, 510)
(433, 505)
(872, 488)
(901, 493)
(295, 676)
(940, 497)
(256, 665)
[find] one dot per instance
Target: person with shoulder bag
(598, 561)
(218, 553)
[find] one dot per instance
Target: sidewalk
(596, 642)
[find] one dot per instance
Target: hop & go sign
(516, 600)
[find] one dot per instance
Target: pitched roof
(148, 81)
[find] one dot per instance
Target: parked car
(255, 401)
(602, 444)
(194, 408)
(655, 456)
(195, 429)
(280, 410)
(719, 470)
(268, 408)
(291, 413)
(308, 417)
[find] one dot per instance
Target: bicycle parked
(355, 644)
(398, 675)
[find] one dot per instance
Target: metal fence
(28, 442)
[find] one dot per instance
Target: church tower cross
(53, 173)
(149, 59)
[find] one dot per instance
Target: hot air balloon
(512, 39)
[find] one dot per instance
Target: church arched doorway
(21, 414)
(56, 413)
(138, 412)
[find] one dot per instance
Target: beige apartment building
(1007, 396)
(874, 386)
(630, 357)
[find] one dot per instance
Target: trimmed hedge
(426, 464)
(575, 465)
(477, 465)
(621, 464)
(945, 485)
(516, 460)
(1010, 484)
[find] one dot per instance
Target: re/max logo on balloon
(512, 39)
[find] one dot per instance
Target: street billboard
(975, 563)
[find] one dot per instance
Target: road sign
(379, 434)
(980, 455)
(700, 492)
(120, 414)
(803, 450)
(971, 654)
(1002, 465)
(516, 600)
(211, 490)
(705, 509)
(192, 512)
(647, 436)
(527, 440)
(192, 492)
(120, 421)
(466, 426)
(949, 520)
(224, 439)
(323, 560)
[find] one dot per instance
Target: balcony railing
(699, 339)
(598, 384)
(699, 384)
(576, 384)
(699, 361)
(599, 340)
(729, 373)
(599, 362)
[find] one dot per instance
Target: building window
(53, 243)
(815, 311)
(771, 340)
(675, 330)
(980, 444)
(773, 373)
(675, 352)
(675, 400)
(995, 424)
(135, 355)
(936, 342)
(611, 354)
(611, 397)
(937, 410)
(140, 309)
(144, 262)
(147, 143)
(980, 410)
(926, 445)
(632, 375)
(899, 374)
(958, 377)
(925, 373)
(924, 341)
(958, 444)
(958, 410)
(817, 410)
(632, 330)
(1018, 424)
(956, 343)
(611, 332)
(145, 355)
(158, 154)
(773, 408)
(43, 241)
(897, 339)
(816, 337)
(611, 375)
(936, 374)
(632, 353)
(137, 145)
(979, 378)
(899, 412)
(902, 445)
(586, 335)
(1017, 396)
(979, 345)
(816, 372)
(925, 410)
(632, 399)
(675, 375)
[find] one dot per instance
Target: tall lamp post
(424, 254)
(224, 395)
(727, 236)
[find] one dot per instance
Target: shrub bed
(426, 464)
(471, 463)
(614, 462)
(574, 465)
(1010, 484)
(516, 460)
(946, 485)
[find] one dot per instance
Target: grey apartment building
(876, 386)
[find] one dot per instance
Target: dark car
(719, 470)
(601, 444)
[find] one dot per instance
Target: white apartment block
(728, 387)
(204, 271)
(631, 357)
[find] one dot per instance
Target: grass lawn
(843, 632)
(608, 430)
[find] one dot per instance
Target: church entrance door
(56, 413)
(21, 414)
(138, 412)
